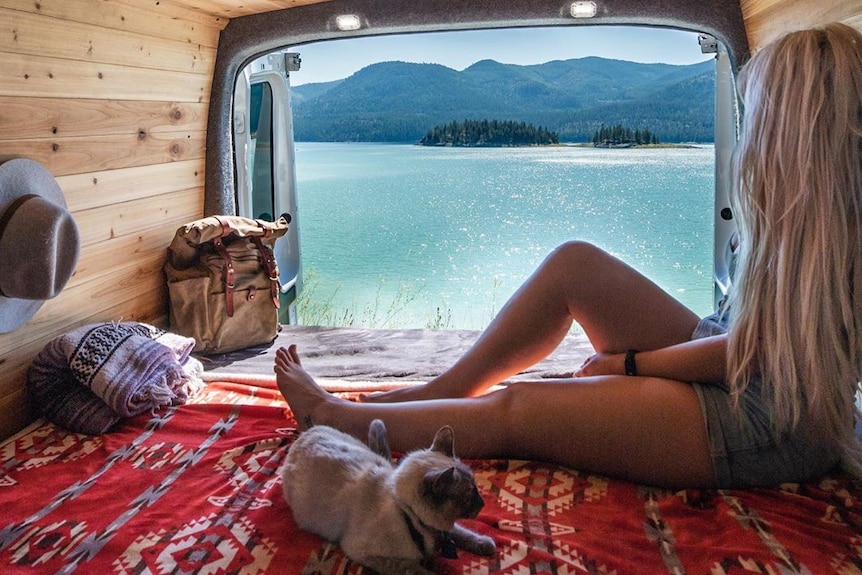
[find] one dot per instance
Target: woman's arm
(701, 360)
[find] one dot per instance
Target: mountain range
(400, 101)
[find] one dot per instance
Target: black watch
(631, 366)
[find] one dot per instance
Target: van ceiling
(763, 19)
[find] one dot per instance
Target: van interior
(150, 114)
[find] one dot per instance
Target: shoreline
(635, 146)
(560, 145)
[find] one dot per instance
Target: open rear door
(265, 169)
(727, 114)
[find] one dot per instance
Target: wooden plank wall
(767, 19)
(111, 96)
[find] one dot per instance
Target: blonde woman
(758, 394)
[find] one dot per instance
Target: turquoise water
(408, 236)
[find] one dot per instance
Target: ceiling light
(583, 9)
(346, 22)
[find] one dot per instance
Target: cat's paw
(394, 566)
(485, 546)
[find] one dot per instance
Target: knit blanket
(90, 378)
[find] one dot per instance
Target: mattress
(196, 489)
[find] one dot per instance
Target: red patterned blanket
(196, 489)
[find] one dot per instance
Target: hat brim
(20, 177)
(15, 312)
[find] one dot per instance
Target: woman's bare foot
(306, 399)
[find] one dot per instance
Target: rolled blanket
(88, 379)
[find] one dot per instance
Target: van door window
(260, 128)
(264, 167)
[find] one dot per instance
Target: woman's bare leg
(641, 429)
(617, 307)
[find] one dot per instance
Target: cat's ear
(444, 441)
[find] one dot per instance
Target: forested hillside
(401, 102)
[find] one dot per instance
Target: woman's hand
(603, 364)
(701, 360)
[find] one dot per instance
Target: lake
(396, 236)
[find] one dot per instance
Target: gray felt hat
(39, 241)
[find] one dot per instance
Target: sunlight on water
(408, 236)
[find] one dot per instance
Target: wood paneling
(111, 96)
(765, 20)
(83, 154)
(138, 296)
(63, 117)
(104, 224)
(176, 10)
(15, 409)
(232, 8)
(99, 189)
(106, 258)
(149, 18)
(25, 33)
(41, 76)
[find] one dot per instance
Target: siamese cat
(392, 519)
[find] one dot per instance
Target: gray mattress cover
(384, 355)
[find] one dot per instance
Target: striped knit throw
(90, 378)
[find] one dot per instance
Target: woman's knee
(578, 254)
(508, 408)
(578, 270)
(528, 421)
(516, 402)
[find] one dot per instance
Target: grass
(315, 308)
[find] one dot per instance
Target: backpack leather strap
(228, 274)
(269, 264)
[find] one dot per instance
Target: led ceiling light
(583, 9)
(347, 22)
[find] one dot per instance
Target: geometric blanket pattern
(197, 489)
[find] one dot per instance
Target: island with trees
(619, 136)
(488, 133)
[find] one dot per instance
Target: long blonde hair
(796, 307)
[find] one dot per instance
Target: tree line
(489, 133)
(619, 135)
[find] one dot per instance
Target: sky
(335, 60)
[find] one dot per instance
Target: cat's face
(453, 492)
(436, 486)
(451, 488)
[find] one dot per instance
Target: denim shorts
(746, 449)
